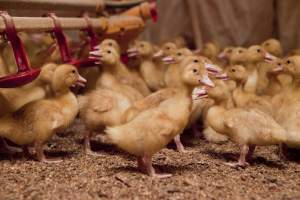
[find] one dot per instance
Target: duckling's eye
(233, 70)
(288, 62)
(109, 51)
(278, 63)
(195, 70)
(110, 44)
(258, 50)
(168, 48)
(196, 61)
(267, 44)
(240, 51)
(73, 71)
(229, 51)
(179, 54)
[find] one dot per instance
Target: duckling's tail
(114, 135)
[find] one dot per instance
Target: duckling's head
(180, 41)
(166, 49)
(106, 55)
(238, 55)
(211, 50)
(110, 43)
(226, 53)
(66, 76)
(220, 92)
(144, 49)
(276, 67)
(237, 73)
(292, 66)
(178, 56)
(255, 54)
(273, 46)
(47, 72)
(193, 72)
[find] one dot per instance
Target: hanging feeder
(24, 73)
(144, 10)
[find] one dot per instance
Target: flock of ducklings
(247, 95)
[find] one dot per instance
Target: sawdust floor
(199, 174)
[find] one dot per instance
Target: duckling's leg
(244, 150)
(249, 156)
(87, 144)
(178, 143)
(146, 165)
(38, 145)
(283, 151)
(6, 148)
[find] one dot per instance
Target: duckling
(219, 93)
(237, 56)
(149, 70)
(172, 72)
(225, 55)
(211, 50)
(12, 99)
(109, 43)
(288, 112)
(273, 46)
(93, 73)
(172, 76)
(248, 127)
(165, 120)
(179, 41)
(243, 98)
(286, 83)
(110, 61)
(258, 68)
(100, 108)
(278, 81)
(166, 49)
(36, 122)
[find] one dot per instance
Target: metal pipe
(65, 5)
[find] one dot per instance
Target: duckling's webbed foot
(6, 148)
(246, 151)
(145, 166)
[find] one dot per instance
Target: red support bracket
(63, 45)
(25, 74)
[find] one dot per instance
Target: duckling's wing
(101, 101)
(149, 132)
(105, 104)
(254, 125)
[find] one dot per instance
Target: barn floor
(198, 174)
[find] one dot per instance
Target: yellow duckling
(158, 120)
(38, 121)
